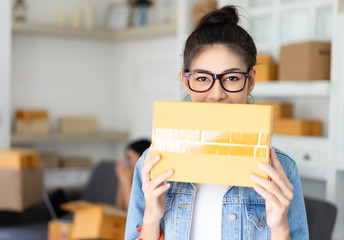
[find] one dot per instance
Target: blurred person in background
(125, 171)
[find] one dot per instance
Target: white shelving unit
(273, 23)
(319, 88)
(100, 34)
(44, 33)
(109, 136)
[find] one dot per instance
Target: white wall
(5, 66)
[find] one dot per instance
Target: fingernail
(252, 176)
(157, 157)
(170, 171)
(168, 185)
(256, 187)
(261, 165)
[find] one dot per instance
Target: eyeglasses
(230, 81)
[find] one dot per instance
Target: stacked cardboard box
(90, 221)
(50, 160)
(202, 8)
(284, 123)
(305, 61)
(76, 162)
(32, 122)
(21, 180)
(266, 69)
(78, 125)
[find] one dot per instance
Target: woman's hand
(278, 193)
(154, 192)
(124, 173)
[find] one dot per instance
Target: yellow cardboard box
(266, 69)
(19, 159)
(59, 230)
(300, 127)
(211, 142)
(281, 109)
(93, 221)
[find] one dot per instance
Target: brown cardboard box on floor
(297, 127)
(281, 109)
(266, 69)
(94, 221)
(305, 61)
(20, 189)
(18, 159)
(59, 230)
(78, 125)
(202, 8)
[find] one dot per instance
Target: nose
(217, 93)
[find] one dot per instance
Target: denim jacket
(243, 210)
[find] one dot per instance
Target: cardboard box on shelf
(94, 221)
(34, 126)
(202, 8)
(76, 162)
(281, 109)
(203, 146)
(59, 230)
(18, 159)
(78, 125)
(31, 114)
(266, 69)
(20, 189)
(305, 61)
(50, 160)
(297, 127)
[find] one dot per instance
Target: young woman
(125, 170)
(218, 67)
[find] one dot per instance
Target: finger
(160, 190)
(276, 163)
(266, 195)
(277, 178)
(148, 164)
(155, 182)
(271, 188)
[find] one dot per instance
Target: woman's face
(132, 157)
(218, 59)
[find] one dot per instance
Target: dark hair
(139, 146)
(220, 27)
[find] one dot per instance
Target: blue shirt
(244, 203)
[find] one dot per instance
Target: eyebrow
(227, 70)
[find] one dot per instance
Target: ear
(184, 80)
(252, 81)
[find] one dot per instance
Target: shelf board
(102, 34)
(318, 88)
(108, 136)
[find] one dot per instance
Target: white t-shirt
(207, 212)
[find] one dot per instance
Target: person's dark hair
(220, 27)
(139, 146)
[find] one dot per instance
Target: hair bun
(225, 15)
